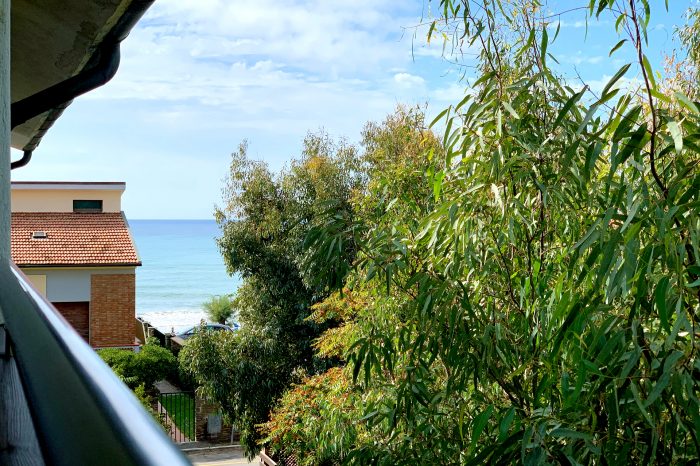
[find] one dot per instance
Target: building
(73, 243)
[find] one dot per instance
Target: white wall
(65, 285)
(60, 199)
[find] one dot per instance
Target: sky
(197, 77)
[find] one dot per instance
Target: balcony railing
(59, 403)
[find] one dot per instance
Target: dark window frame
(88, 205)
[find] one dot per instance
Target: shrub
(219, 308)
(154, 363)
(294, 426)
(147, 402)
(121, 361)
(151, 364)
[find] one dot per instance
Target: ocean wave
(173, 320)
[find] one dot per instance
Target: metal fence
(178, 413)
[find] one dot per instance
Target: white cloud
(624, 84)
(266, 53)
(579, 58)
(407, 80)
(573, 24)
(578, 24)
(198, 76)
(275, 64)
(596, 86)
(322, 39)
(450, 94)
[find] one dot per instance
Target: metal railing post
(5, 103)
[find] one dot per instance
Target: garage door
(78, 315)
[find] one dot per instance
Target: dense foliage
(525, 290)
(264, 220)
(139, 371)
(542, 307)
(319, 419)
(151, 364)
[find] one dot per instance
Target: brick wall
(78, 315)
(112, 309)
(203, 408)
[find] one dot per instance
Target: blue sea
(182, 268)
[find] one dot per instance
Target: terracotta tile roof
(73, 239)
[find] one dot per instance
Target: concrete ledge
(203, 447)
(229, 455)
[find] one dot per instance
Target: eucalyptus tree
(319, 420)
(544, 310)
(264, 218)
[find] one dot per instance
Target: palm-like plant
(219, 308)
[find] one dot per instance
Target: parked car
(210, 328)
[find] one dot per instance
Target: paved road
(216, 457)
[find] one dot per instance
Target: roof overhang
(55, 40)
(69, 185)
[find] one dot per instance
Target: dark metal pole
(5, 100)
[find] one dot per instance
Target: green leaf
(662, 382)
(439, 117)
(631, 213)
(640, 405)
(661, 96)
(675, 131)
(497, 197)
(647, 14)
(634, 144)
(369, 415)
(607, 97)
(569, 433)
(617, 46)
(448, 131)
(660, 299)
(589, 114)
(484, 78)
(462, 102)
(616, 77)
(687, 103)
(359, 357)
(479, 424)
(632, 360)
(574, 312)
(556, 33)
(506, 422)
(601, 7)
(437, 184)
(591, 235)
(649, 71)
(618, 21)
(567, 106)
(543, 45)
(608, 257)
(430, 31)
(510, 110)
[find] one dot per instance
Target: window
(87, 205)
